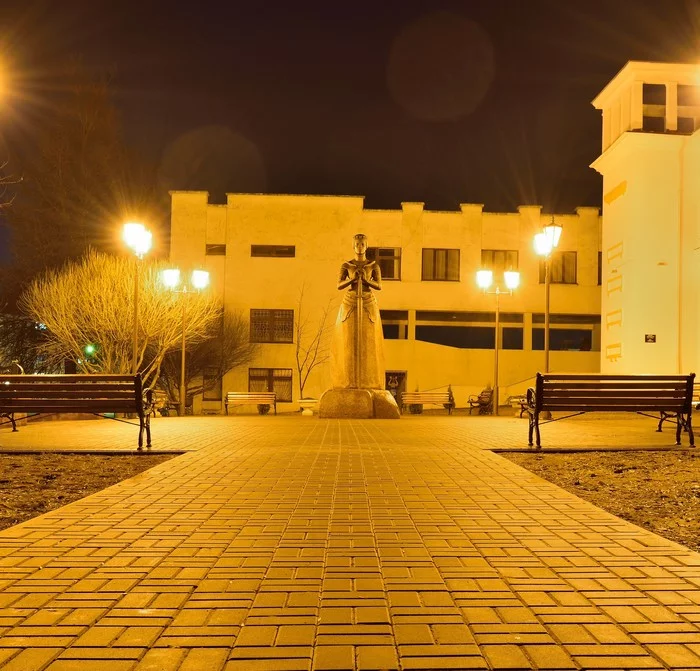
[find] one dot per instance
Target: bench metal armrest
(530, 399)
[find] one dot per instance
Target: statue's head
(359, 243)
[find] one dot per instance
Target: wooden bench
(483, 401)
(518, 403)
(444, 398)
(162, 403)
(251, 398)
(94, 394)
(670, 395)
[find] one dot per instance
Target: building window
(469, 330)
(600, 268)
(212, 384)
(216, 250)
(272, 326)
(278, 380)
(279, 251)
(499, 260)
(389, 260)
(511, 338)
(562, 269)
(395, 324)
(441, 265)
(567, 332)
(571, 339)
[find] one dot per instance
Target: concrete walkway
(298, 543)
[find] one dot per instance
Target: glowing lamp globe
(484, 279)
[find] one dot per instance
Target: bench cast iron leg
(689, 426)
(531, 424)
(661, 421)
(11, 417)
(144, 425)
(679, 427)
(148, 432)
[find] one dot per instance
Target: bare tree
(19, 341)
(311, 341)
(227, 347)
(90, 302)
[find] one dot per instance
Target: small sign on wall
(650, 337)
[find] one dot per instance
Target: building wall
(640, 289)
(322, 227)
(650, 167)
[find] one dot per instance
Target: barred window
(278, 380)
(441, 265)
(562, 269)
(499, 260)
(272, 326)
(388, 259)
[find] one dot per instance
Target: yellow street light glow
(548, 239)
(171, 277)
(484, 278)
(137, 237)
(543, 244)
(512, 279)
(200, 279)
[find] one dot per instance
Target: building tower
(650, 163)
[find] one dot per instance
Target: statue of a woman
(357, 351)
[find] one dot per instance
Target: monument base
(357, 404)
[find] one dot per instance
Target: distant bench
(94, 394)
(421, 398)
(668, 396)
(234, 398)
(483, 402)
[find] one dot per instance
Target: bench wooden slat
(614, 391)
(66, 386)
(87, 407)
(426, 397)
(641, 387)
(618, 407)
(549, 398)
(66, 379)
(48, 392)
(553, 377)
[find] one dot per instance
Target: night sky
(398, 100)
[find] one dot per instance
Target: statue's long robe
(344, 373)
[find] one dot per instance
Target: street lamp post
(139, 239)
(545, 243)
(199, 280)
(484, 279)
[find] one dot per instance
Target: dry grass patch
(32, 485)
(659, 491)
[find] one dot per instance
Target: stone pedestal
(358, 404)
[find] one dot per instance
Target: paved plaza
(291, 542)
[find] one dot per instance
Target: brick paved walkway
(298, 543)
